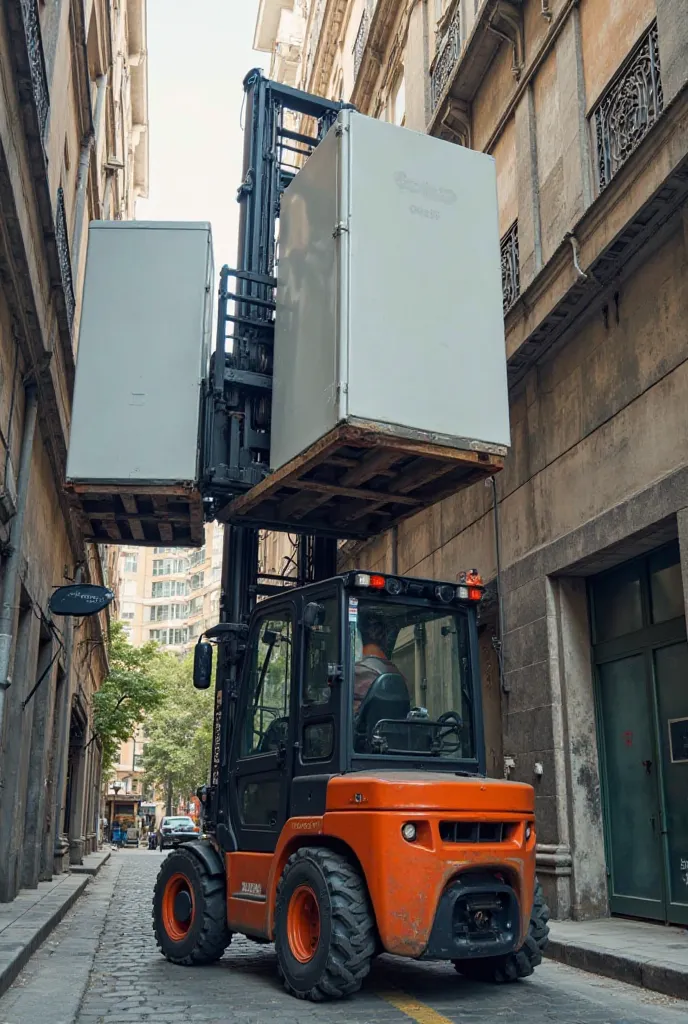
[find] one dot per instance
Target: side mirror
(203, 666)
(313, 614)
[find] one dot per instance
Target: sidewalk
(27, 921)
(651, 956)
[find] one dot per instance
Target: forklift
(348, 812)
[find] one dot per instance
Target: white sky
(198, 54)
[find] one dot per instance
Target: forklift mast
(236, 436)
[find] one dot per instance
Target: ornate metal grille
(361, 40)
(34, 46)
(62, 239)
(448, 53)
(628, 109)
(511, 268)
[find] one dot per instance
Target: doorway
(641, 666)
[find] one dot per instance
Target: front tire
(189, 911)
(324, 926)
(520, 964)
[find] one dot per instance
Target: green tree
(131, 692)
(176, 758)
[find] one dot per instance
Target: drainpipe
(8, 601)
(63, 738)
(82, 174)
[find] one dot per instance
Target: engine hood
(427, 791)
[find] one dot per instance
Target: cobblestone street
(101, 966)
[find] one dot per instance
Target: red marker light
(474, 593)
(378, 582)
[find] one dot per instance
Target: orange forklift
(352, 813)
(348, 813)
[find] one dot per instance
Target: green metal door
(631, 792)
(641, 656)
(671, 680)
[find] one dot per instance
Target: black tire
(204, 936)
(522, 963)
(347, 932)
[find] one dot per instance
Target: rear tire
(522, 963)
(190, 911)
(325, 931)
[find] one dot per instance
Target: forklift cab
(314, 703)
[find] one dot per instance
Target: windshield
(178, 821)
(412, 680)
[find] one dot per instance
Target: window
(131, 563)
(138, 762)
(196, 581)
(130, 588)
(128, 611)
(413, 689)
(398, 110)
(217, 573)
(169, 566)
(197, 557)
(163, 612)
(267, 720)
(195, 605)
(318, 740)
(170, 588)
(169, 637)
(322, 650)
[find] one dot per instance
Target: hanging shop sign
(80, 599)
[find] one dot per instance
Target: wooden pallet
(165, 516)
(357, 482)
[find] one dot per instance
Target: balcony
(34, 47)
(628, 109)
(458, 72)
(361, 40)
(511, 268)
(447, 57)
(62, 240)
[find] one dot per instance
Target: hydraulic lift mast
(237, 428)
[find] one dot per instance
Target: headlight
(408, 831)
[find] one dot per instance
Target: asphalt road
(101, 966)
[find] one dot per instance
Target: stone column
(16, 747)
(672, 30)
(529, 231)
(76, 824)
(37, 784)
(578, 193)
(682, 522)
(579, 734)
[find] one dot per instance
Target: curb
(91, 869)
(650, 974)
(25, 950)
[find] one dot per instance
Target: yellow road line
(419, 1012)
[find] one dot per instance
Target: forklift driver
(374, 662)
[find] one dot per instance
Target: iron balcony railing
(62, 241)
(628, 109)
(34, 47)
(511, 268)
(447, 57)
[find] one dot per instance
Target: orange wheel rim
(178, 907)
(303, 924)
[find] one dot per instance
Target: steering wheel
(450, 722)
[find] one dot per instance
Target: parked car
(178, 828)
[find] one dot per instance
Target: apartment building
(73, 147)
(170, 595)
(583, 105)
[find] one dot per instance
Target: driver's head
(373, 629)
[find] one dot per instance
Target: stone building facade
(73, 147)
(584, 106)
